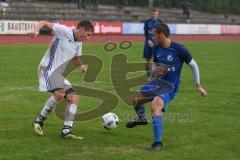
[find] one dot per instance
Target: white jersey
(60, 52)
(62, 48)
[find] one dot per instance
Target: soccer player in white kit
(66, 46)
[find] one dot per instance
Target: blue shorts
(159, 88)
(147, 52)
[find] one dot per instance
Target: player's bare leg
(48, 106)
(138, 103)
(148, 63)
(157, 121)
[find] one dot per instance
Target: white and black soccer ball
(110, 121)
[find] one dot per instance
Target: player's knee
(59, 95)
(135, 101)
(157, 106)
(73, 98)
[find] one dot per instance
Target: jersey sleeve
(60, 30)
(185, 54)
(146, 30)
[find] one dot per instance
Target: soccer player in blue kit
(169, 57)
(149, 42)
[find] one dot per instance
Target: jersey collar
(74, 36)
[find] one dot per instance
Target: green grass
(196, 128)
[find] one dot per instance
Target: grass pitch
(195, 128)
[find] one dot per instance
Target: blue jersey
(172, 59)
(148, 26)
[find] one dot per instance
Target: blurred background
(171, 11)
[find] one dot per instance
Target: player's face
(156, 37)
(154, 15)
(83, 35)
(159, 38)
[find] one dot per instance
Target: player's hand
(83, 68)
(33, 34)
(150, 43)
(201, 90)
(159, 70)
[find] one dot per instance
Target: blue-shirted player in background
(169, 57)
(149, 42)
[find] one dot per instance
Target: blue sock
(140, 110)
(157, 127)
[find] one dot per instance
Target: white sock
(71, 110)
(50, 103)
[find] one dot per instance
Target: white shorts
(48, 82)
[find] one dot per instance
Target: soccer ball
(110, 121)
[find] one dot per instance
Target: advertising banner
(230, 29)
(100, 27)
(198, 29)
(133, 28)
(138, 28)
(103, 28)
(108, 27)
(16, 27)
(173, 28)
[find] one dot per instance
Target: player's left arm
(78, 62)
(195, 70)
(187, 58)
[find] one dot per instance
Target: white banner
(16, 27)
(24, 27)
(198, 29)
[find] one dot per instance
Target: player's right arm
(146, 30)
(78, 62)
(157, 69)
(40, 25)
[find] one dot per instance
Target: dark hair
(87, 25)
(162, 28)
(154, 10)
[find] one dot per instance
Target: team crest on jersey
(170, 58)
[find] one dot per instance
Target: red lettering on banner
(108, 27)
(100, 27)
(230, 29)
